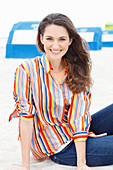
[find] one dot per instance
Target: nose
(55, 44)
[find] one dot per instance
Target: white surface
(107, 38)
(88, 36)
(102, 95)
(24, 37)
(83, 13)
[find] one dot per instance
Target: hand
(84, 167)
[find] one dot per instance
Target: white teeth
(55, 51)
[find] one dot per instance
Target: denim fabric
(99, 151)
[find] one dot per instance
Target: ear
(71, 40)
(41, 39)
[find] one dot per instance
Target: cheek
(47, 45)
(65, 46)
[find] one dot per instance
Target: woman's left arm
(81, 155)
(79, 120)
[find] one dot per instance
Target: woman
(52, 95)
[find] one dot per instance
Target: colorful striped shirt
(58, 114)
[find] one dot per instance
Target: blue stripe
(40, 138)
(76, 107)
(33, 149)
(53, 93)
(45, 93)
(79, 133)
(45, 64)
(63, 134)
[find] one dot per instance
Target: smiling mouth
(55, 51)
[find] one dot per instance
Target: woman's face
(56, 41)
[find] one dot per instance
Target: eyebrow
(59, 37)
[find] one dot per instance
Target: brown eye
(48, 38)
(62, 39)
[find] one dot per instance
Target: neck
(58, 65)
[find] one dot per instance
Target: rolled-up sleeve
(23, 95)
(79, 117)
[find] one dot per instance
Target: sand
(102, 95)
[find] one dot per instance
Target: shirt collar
(47, 65)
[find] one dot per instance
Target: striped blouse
(58, 114)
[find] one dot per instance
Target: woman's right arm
(25, 110)
(26, 127)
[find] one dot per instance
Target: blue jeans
(99, 151)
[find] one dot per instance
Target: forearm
(81, 152)
(26, 127)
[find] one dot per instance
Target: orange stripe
(82, 123)
(15, 83)
(37, 146)
(78, 111)
(80, 136)
(44, 138)
(70, 113)
(39, 96)
(35, 138)
(49, 97)
(63, 108)
(57, 135)
(27, 116)
(85, 102)
(50, 137)
(20, 89)
(27, 81)
(10, 117)
(66, 132)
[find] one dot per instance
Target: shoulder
(29, 65)
(85, 94)
(31, 62)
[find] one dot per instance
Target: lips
(55, 51)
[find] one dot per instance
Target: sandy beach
(102, 95)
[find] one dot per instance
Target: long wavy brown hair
(77, 58)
